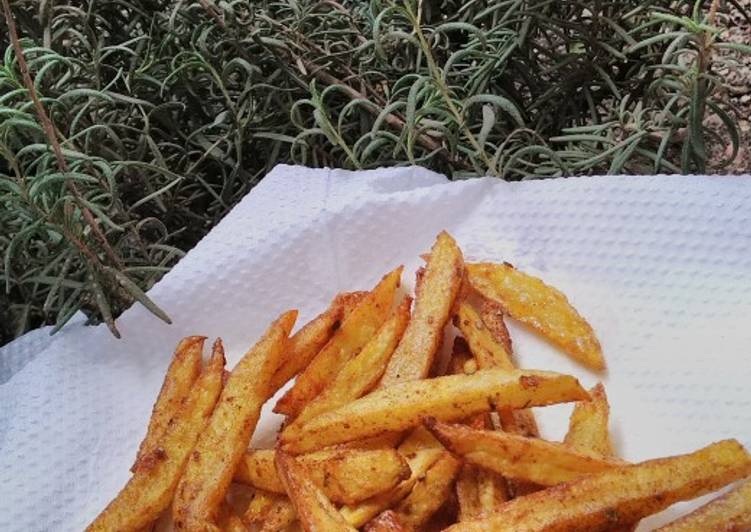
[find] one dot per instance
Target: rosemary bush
(162, 114)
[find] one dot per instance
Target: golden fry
(434, 297)
(492, 316)
(730, 513)
(222, 444)
(181, 374)
(315, 511)
(387, 521)
(620, 496)
(352, 335)
(517, 457)
(489, 354)
(361, 373)
(588, 427)
(541, 307)
(345, 475)
(429, 493)
(310, 339)
(419, 463)
(149, 491)
(448, 398)
(260, 505)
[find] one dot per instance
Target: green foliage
(168, 112)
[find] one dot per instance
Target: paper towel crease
(660, 265)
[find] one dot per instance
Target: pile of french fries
(382, 433)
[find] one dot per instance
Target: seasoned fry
(486, 350)
(222, 444)
(352, 335)
(730, 513)
(387, 521)
(588, 426)
(479, 491)
(260, 505)
(149, 491)
(315, 511)
(435, 295)
(181, 374)
(541, 307)
(448, 398)
(489, 354)
(419, 462)
(620, 496)
(492, 316)
(310, 339)
(361, 374)
(347, 476)
(429, 493)
(517, 457)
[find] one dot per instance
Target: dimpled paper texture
(661, 266)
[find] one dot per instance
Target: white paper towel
(661, 266)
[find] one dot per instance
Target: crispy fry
(181, 374)
(387, 521)
(588, 426)
(222, 444)
(518, 457)
(429, 493)
(478, 490)
(448, 398)
(361, 373)
(620, 496)
(260, 505)
(486, 350)
(419, 462)
(310, 339)
(270, 512)
(346, 476)
(541, 307)
(729, 513)
(489, 353)
(315, 511)
(149, 491)
(492, 316)
(435, 295)
(352, 335)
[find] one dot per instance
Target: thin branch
(49, 130)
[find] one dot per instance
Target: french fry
(181, 374)
(346, 476)
(518, 457)
(541, 307)
(419, 463)
(620, 496)
(435, 296)
(452, 397)
(149, 491)
(479, 491)
(387, 521)
(222, 444)
(361, 373)
(310, 339)
(314, 509)
(730, 513)
(260, 505)
(588, 426)
(489, 353)
(352, 335)
(429, 493)
(270, 512)
(492, 316)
